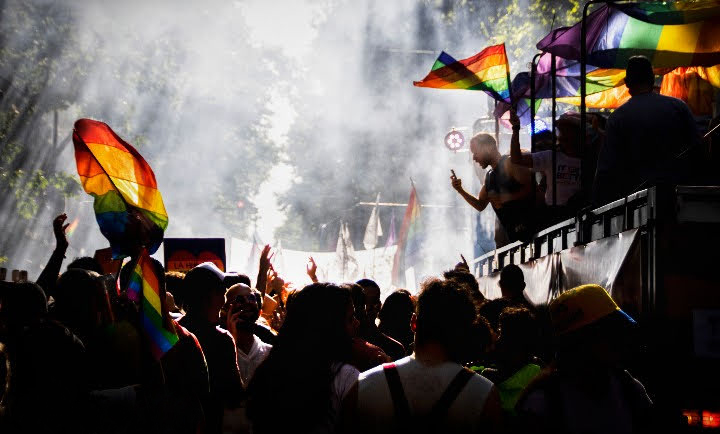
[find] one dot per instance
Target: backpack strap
(397, 393)
(441, 407)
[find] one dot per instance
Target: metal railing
(633, 211)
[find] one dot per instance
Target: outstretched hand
(59, 227)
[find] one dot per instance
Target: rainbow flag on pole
(409, 241)
(488, 71)
(670, 34)
(144, 289)
(122, 183)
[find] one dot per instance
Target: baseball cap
(582, 306)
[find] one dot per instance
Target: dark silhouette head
(445, 316)
(484, 149)
(397, 309)
(80, 302)
(639, 76)
(466, 279)
(174, 285)
(518, 331)
(21, 304)
(204, 291)
(512, 281)
(86, 263)
(235, 278)
(371, 293)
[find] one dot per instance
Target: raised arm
(48, 277)
(479, 203)
(516, 156)
(265, 258)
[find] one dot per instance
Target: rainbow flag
(122, 183)
(409, 241)
(669, 34)
(144, 289)
(488, 71)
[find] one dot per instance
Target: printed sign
(182, 254)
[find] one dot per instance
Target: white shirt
(568, 175)
(423, 386)
(250, 361)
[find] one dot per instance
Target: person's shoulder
(262, 346)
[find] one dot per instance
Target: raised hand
(312, 269)
(265, 266)
(59, 227)
(462, 266)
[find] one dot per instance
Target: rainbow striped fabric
(144, 289)
(669, 34)
(488, 71)
(122, 183)
(409, 241)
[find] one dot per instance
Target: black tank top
(519, 216)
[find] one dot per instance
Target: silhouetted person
(587, 390)
(204, 297)
(301, 385)
(515, 362)
(567, 163)
(366, 297)
(512, 286)
(430, 391)
(509, 188)
(395, 315)
(46, 386)
(643, 138)
(462, 275)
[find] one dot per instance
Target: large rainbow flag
(488, 71)
(409, 241)
(144, 289)
(670, 34)
(122, 183)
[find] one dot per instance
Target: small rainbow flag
(488, 71)
(122, 182)
(670, 34)
(409, 241)
(144, 289)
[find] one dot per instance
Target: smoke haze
(246, 110)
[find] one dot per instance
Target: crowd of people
(262, 357)
(650, 140)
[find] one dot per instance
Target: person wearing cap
(644, 138)
(204, 297)
(587, 390)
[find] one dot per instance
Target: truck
(654, 252)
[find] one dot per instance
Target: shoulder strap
(441, 407)
(397, 393)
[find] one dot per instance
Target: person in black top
(509, 188)
(204, 297)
